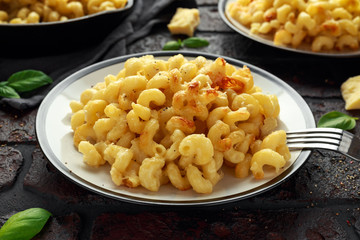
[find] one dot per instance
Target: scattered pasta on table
(178, 121)
(36, 11)
(322, 25)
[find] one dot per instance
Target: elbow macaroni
(152, 134)
(36, 11)
(323, 25)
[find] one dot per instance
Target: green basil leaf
(172, 45)
(8, 92)
(24, 225)
(28, 80)
(336, 119)
(195, 42)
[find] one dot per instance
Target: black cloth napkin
(144, 15)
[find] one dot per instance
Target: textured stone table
(321, 201)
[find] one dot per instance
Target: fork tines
(324, 138)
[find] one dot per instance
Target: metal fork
(325, 138)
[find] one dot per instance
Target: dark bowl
(61, 35)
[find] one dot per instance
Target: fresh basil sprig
(9, 92)
(172, 45)
(195, 42)
(23, 81)
(336, 119)
(24, 225)
(191, 42)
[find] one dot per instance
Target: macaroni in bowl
(178, 121)
(324, 25)
(35, 11)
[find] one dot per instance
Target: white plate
(265, 39)
(56, 138)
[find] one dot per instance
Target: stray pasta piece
(318, 25)
(178, 122)
(350, 90)
(184, 21)
(37, 11)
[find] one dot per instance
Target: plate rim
(56, 90)
(222, 9)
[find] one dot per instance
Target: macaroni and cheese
(178, 121)
(35, 11)
(324, 25)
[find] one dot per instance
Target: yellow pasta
(321, 25)
(178, 121)
(37, 11)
